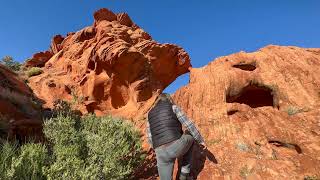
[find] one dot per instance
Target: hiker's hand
(203, 146)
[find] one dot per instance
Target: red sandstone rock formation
(19, 111)
(39, 59)
(112, 67)
(259, 113)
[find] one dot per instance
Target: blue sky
(205, 29)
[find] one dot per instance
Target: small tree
(10, 63)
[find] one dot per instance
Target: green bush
(10, 63)
(114, 147)
(78, 148)
(25, 162)
(7, 152)
(92, 148)
(68, 146)
(29, 163)
(34, 71)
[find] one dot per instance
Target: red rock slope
(259, 113)
(19, 109)
(112, 66)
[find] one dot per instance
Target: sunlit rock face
(113, 66)
(259, 113)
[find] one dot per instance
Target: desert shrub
(114, 147)
(92, 147)
(68, 146)
(7, 152)
(22, 162)
(10, 63)
(29, 163)
(34, 71)
(64, 108)
(78, 148)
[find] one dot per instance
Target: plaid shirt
(184, 120)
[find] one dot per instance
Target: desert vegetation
(87, 147)
(34, 71)
(10, 63)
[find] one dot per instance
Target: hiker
(165, 135)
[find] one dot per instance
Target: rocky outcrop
(19, 110)
(112, 67)
(259, 113)
(38, 59)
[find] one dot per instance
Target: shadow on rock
(148, 169)
(199, 157)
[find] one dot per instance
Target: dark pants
(166, 155)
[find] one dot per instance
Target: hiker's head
(162, 97)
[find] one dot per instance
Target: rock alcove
(253, 95)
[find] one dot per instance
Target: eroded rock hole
(92, 65)
(69, 68)
(253, 95)
(231, 112)
(67, 89)
(286, 145)
(245, 67)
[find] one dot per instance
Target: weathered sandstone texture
(112, 67)
(259, 113)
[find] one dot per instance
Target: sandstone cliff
(259, 113)
(112, 67)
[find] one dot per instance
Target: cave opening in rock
(245, 67)
(253, 95)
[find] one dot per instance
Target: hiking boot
(185, 177)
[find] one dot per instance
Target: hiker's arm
(184, 120)
(149, 136)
